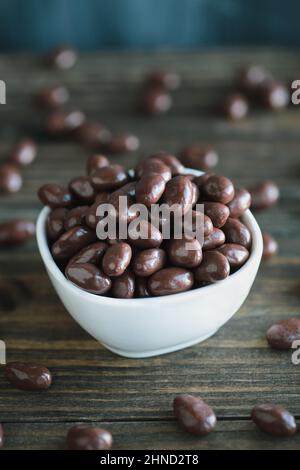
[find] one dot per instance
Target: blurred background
(37, 25)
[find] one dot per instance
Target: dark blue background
(91, 24)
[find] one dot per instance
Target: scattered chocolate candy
(273, 95)
(274, 420)
(170, 161)
(240, 203)
(64, 122)
(156, 101)
(237, 255)
(162, 79)
(52, 96)
(96, 161)
(54, 195)
(283, 333)
(15, 232)
(27, 376)
(270, 246)
(11, 179)
(214, 267)
(264, 195)
(24, 152)
(251, 76)
(194, 415)
(200, 156)
(123, 143)
(235, 107)
(83, 437)
(62, 58)
(94, 134)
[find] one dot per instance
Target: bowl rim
(254, 258)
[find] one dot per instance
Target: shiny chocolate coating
(27, 376)
(214, 267)
(62, 58)
(200, 156)
(194, 415)
(83, 437)
(283, 333)
(123, 287)
(171, 161)
(236, 232)
(169, 281)
(237, 255)
(116, 259)
(56, 223)
(214, 239)
(217, 212)
(63, 122)
(218, 189)
(153, 236)
(123, 143)
(96, 161)
(200, 218)
(53, 96)
(156, 101)
(147, 262)
(94, 134)
(149, 189)
(89, 277)
(196, 193)
(154, 165)
(240, 203)
(264, 195)
(273, 95)
(274, 419)
(82, 189)
(15, 232)
(72, 241)
(179, 190)
(75, 216)
(141, 287)
(270, 246)
(109, 177)
(54, 195)
(91, 219)
(90, 254)
(251, 76)
(11, 180)
(235, 107)
(24, 152)
(185, 253)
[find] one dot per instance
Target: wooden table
(235, 369)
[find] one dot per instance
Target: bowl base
(157, 352)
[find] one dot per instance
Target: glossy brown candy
(1, 436)
(149, 189)
(214, 239)
(53, 96)
(56, 223)
(123, 143)
(141, 287)
(62, 58)
(83, 437)
(196, 194)
(82, 189)
(270, 246)
(72, 241)
(264, 194)
(200, 156)
(163, 79)
(217, 212)
(96, 161)
(201, 179)
(89, 277)
(240, 203)
(27, 376)
(251, 76)
(199, 219)
(109, 177)
(179, 190)
(91, 218)
(154, 165)
(235, 106)
(62, 122)
(236, 232)
(117, 259)
(11, 180)
(147, 262)
(169, 281)
(274, 419)
(90, 254)
(24, 152)
(218, 189)
(171, 161)
(15, 232)
(237, 255)
(123, 286)
(273, 95)
(282, 334)
(94, 134)
(54, 195)
(185, 253)
(75, 216)
(124, 212)
(144, 235)
(194, 415)
(214, 267)
(156, 101)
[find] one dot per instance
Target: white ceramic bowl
(158, 325)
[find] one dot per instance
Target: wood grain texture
(233, 370)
